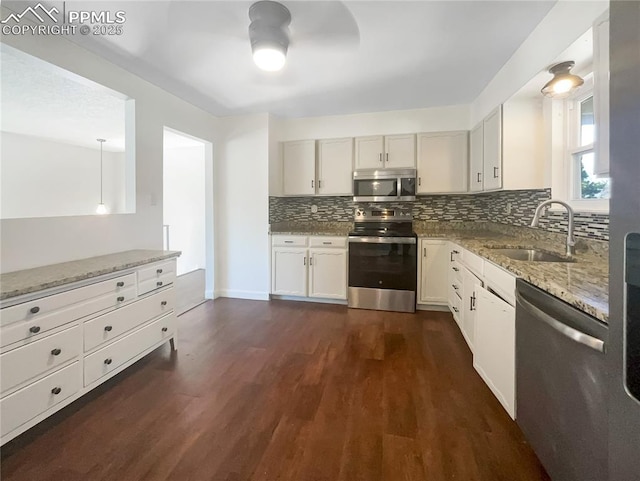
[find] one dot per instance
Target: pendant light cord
(102, 141)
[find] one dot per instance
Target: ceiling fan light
(563, 83)
(269, 59)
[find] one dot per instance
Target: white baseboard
(210, 294)
(235, 294)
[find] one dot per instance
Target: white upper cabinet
(369, 152)
(299, 167)
(476, 153)
(400, 151)
(386, 152)
(492, 150)
(601, 93)
(335, 166)
(443, 159)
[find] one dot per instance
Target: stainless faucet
(571, 241)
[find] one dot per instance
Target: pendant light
(563, 83)
(101, 209)
(269, 34)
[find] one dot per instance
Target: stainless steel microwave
(384, 185)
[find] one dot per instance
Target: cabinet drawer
(28, 362)
(38, 326)
(164, 279)
(455, 302)
(455, 288)
(289, 241)
(109, 326)
(157, 270)
(109, 358)
(473, 262)
(455, 275)
(39, 308)
(501, 281)
(326, 241)
(25, 404)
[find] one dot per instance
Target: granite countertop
(584, 283)
(18, 283)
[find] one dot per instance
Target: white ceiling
(42, 100)
(344, 57)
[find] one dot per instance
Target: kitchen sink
(533, 255)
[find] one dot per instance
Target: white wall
(44, 178)
(242, 208)
(394, 122)
(39, 241)
(564, 23)
(184, 205)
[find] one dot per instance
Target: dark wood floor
(287, 391)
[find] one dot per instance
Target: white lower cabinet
(328, 273)
(433, 268)
(97, 328)
(318, 271)
(470, 286)
(494, 353)
(289, 271)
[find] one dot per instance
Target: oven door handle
(382, 240)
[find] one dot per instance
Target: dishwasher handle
(570, 332)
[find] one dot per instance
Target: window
(584, 183)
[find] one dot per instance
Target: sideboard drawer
(36, 358)
(162, 280)
(28, 311)
(109, 358)
(38, 326)
(25, 404)
(327, 242)
(156, 271)
(103, 329)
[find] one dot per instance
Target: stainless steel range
(383, 261)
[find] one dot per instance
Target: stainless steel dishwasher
(561, 401)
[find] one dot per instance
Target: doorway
(188, 215)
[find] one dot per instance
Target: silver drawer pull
(455, 309)
(327, 243)
(108, 328)
(288, 242)
(34, 329)
(108, 361)
(456, 269)
(120, 299)
(56, 352)
(56, 390)
(34, 310)
(120, 284)
(165, 329)
(163, 303)
(454, 286)
(159, 271)
(159, 283)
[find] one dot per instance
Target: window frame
(568, 187)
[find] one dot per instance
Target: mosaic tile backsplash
(514, 207)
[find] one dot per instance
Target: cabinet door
(476, 154)
(494, 353)
(299, 168)
(442, 162)
(433, 271)
(369, 152)
(470, 284)
(289, 271)
(328, 273)
(335, 166)
(492, 148)
(400, 151)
